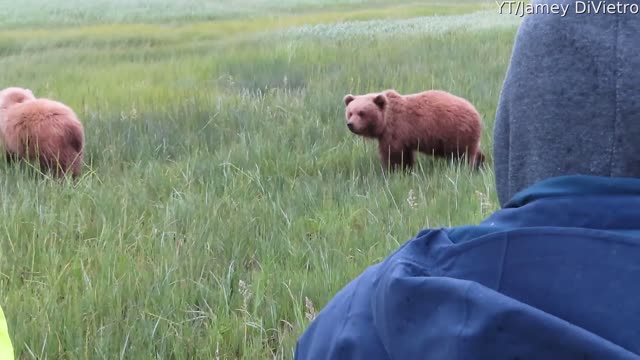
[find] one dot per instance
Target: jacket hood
(570, 101)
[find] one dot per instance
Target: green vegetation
(224, 201)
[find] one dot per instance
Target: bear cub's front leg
(395, 158)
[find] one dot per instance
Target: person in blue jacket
(555, 272)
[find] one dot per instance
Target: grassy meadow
(224, 201)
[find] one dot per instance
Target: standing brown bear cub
(41, 130)
(433, 122)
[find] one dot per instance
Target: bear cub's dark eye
(360, 113)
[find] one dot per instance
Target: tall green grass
(51, 14)
(224, 201)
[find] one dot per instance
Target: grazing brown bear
(41, 130)
(433, 122)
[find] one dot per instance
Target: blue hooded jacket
(553, 274)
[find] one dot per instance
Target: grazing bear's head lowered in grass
(433, 122)
(14, 95)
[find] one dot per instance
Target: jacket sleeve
(6, 349)
(344, 329)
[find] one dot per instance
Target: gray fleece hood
(570, 102)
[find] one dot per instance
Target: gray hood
(570, 102)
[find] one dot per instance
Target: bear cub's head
(365, 114)
(14, 95)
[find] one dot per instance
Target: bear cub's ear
(21, 98)
(380, 100)
(348, 98)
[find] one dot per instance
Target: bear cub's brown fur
(41, 130)
(433, 122)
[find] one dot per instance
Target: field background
(224, 201)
